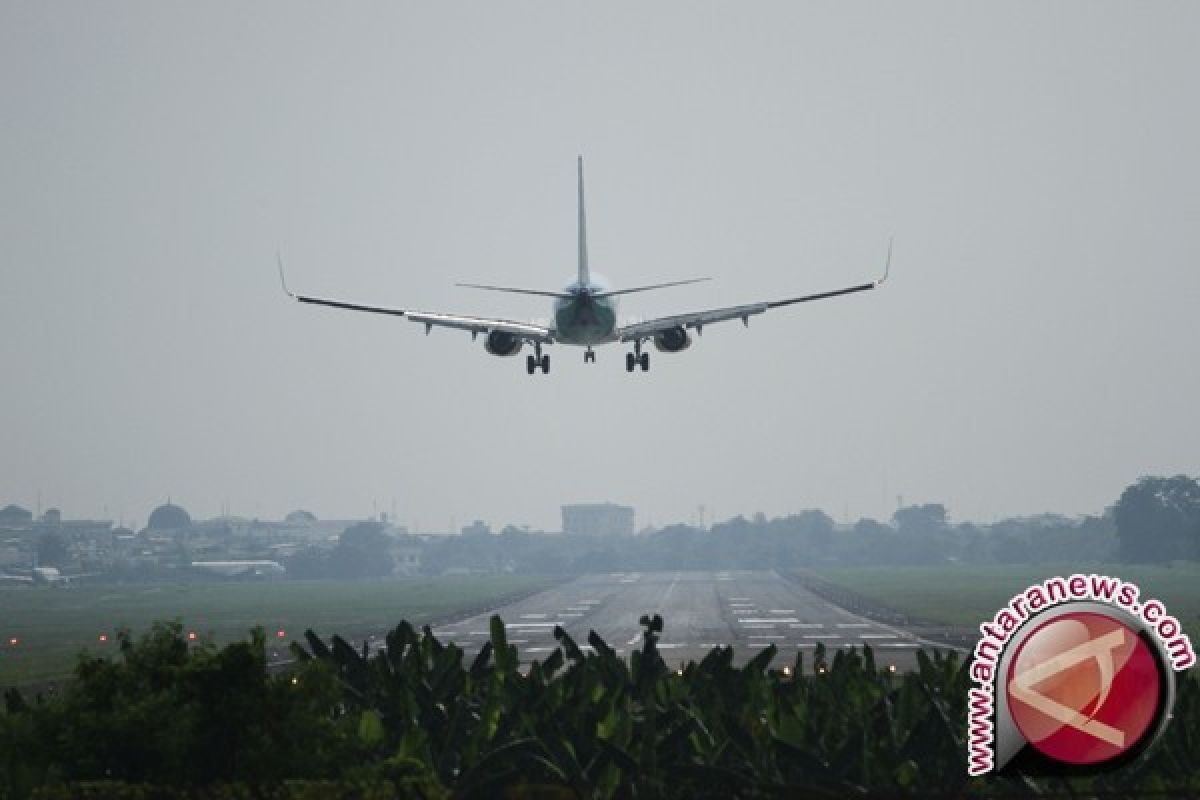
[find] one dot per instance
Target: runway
(749, 610)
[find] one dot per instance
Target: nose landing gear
(589, 356)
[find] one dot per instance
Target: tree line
(1155, 520)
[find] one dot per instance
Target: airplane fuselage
(583, 318)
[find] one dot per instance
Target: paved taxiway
(748, 610)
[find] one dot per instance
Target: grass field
(966, 595)
(53, 625)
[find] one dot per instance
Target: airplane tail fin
(583, 259)
(584, 277)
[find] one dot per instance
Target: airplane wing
(698, 319)
(476, 325)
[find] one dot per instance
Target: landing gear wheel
(645, 362)
(589, 356)
(546, 364)
(629, 359)
(530, 364)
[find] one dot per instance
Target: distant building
(300, 517)
(12, 516)
(598, 519)
(406, 559)
(477, 528)
(13, 554)
(170, 518)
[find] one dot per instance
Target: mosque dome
(169, 517)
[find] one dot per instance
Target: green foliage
(168, 711)
(362, 552)
(1158, 520)
(174, 719)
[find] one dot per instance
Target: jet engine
(501, 343)
(672, 340)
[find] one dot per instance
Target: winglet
(282, 279)
(887, 265)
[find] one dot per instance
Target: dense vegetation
(415, 720)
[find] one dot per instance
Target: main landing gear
(538, 361)
(637, 358)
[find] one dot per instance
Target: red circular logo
(1084, 688)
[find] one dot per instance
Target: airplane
(45, 576)
(584, 314)
(241, 569)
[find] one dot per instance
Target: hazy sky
(1035, 349)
